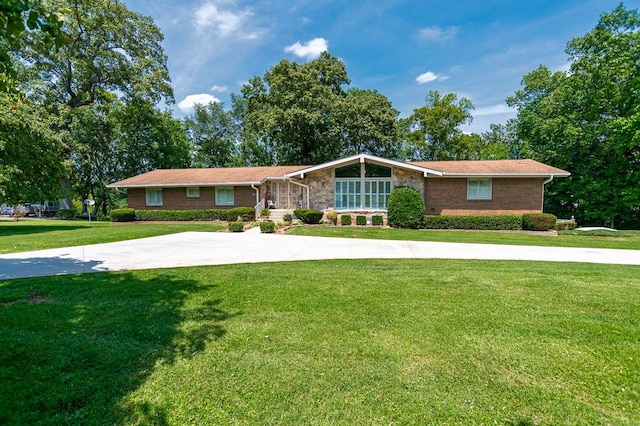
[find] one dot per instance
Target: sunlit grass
(327, 342)
(27, 235)
(598, 239)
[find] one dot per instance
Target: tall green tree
(94, 131)
(213, 134)
(369, 124)
(500, 143)
(435, 132)
(30, 152)
(108, 49)
(251, 149)
(296, 109)
(16, 18)
(588, 122)
(148, 139)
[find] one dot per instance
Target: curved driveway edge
(218, 248)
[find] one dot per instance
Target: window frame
(157, 201)
(475, 189)
(362, 196)
(220, 202)
(195, 194)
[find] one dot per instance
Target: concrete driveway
(217, 248)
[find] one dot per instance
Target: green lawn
(328, 342)
(599, 239)
(27, 235)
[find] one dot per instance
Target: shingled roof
(504, 168)
(205, 177)
(258, 175)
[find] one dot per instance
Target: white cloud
(309, 50)
(216, 88)
(429, 76)
(436, 33)
(224, 22)
(186, 105)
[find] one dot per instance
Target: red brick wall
(448, 197)
(176, 199)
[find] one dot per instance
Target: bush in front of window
(377, 220)
(181, 215)
(267, 227)
(405, 208)
(236, 226)
(309, 216)
(244, 213)
(122, 215)
(345, 220)
(332, 217)
(361, 220)
(484, 223)
(538, 221)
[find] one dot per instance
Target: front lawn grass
(28, 235)
(326, 342)
(594, 239)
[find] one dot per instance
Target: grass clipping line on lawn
(327, 342)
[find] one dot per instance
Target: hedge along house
(360, 183)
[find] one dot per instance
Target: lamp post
(88, 202)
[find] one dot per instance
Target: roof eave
(183, 185)
(362, 158)
(507, 175)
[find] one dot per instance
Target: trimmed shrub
(246, 214)
(287, 218)
(405, 208)
(309, 216)
(66, 214)
(377, 220)
(345, 220)
(122, 215)
(332, 216)
(538, 221)
(565, 226)
(485, 223)
(267, 227)
(265, 213)
(236, 226)
(361, 220)
(181, 215)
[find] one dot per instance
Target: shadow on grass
(73, 347)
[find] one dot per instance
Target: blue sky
(479, 49)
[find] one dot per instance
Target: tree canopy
(435, 128)
(587, 121)
(296, 109)
(107, 48)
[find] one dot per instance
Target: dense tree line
(81, 81)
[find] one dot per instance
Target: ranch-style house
(357, 184)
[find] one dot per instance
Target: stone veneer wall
(410, 178)
(321, 190)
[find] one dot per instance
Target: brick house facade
(360, 183)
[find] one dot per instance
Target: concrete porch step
(277, 215)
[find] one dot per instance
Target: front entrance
(287, 195)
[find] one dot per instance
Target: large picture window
(154, 197)
(357, 187)
(224, 196)
(479, 189)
